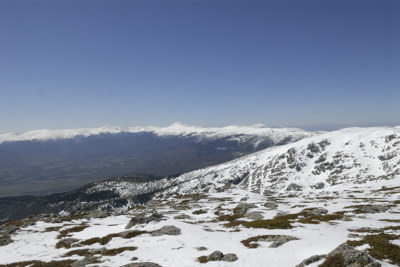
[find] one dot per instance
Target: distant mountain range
(48, 161)
(325, 162)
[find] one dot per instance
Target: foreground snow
(201, 228)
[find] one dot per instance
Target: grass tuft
(336, 260)
(202, 259)
(266, 224)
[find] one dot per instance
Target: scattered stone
(293, 187)
(318, 186)
(142, 264)
(97, 214)
(142, 219)
(314, 211)
(154, 203)
(271, 205)
(5, 240)
(230, 257)
(67, 242)
(200, 211)
(134, 258)
(269, 192)
(215, 256)
(182, 217)
(80, 263)
(242, 208)
(218, 256)
(310, 260)
(277, 240)
(167, 230)
(57, 220)
(201, 248)
(372, 209)
(254, 216)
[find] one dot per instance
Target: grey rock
(5, 240)
(254, 216)
(182, 217)
(215, 256)
(277, 240)
(201, 248)
(269, 192)
(293, 187)
(318, 186)
(271, 205)
(219, 256)
(142, 264)
(230, 257)
(97, 214)
(242, 208)
(142, 219)
(81, 263)
(310, 260)
(167, 230)
(314, 211)
(67, 242)
(57, 220)
(373, 208)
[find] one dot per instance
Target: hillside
(348, 156)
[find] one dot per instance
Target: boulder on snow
(218, 256)
(167, 230)
(142, 264)
(242, 208)
(142, 219)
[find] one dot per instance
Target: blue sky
(90, 63)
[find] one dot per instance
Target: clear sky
(90, 63)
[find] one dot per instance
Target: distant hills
(48, 161)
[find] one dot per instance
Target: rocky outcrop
(345, 256)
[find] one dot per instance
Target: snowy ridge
(348, 156)
(243, 132)
(57, 134)
(276, 134)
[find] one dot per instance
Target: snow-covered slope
(252, 230)
(347, 156)
(240, 133)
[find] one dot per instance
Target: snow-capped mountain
(58, 160)
(348, 156)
